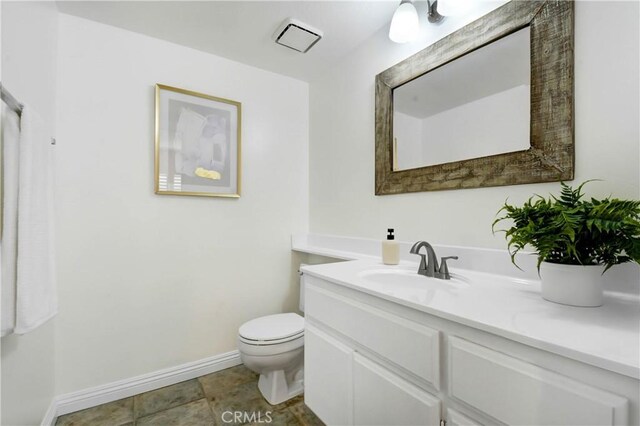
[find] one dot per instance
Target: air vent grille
(297, 35)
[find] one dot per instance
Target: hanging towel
(36, 299)
(9, 247)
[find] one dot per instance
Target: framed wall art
(197, 144)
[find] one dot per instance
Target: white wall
(29, 72)
(147, 281)
(342, 139)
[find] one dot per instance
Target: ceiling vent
(297, 35)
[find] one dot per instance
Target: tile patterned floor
(221, 398)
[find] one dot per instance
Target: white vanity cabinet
(370, 361)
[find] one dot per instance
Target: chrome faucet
(429, 262)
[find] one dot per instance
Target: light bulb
(404, 24)
(453, 7)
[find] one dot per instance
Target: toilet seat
(270, 342)
(262, 350)
(272, 329)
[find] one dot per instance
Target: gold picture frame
(197, 144)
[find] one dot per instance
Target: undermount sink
(409, 279)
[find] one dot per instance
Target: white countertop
(607, 336)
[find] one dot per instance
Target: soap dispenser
(390, 249)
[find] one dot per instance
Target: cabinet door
(327, 377)
(519, 393)
(382, 398)
(455, 418)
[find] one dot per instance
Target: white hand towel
(9, 248)
(36, 299)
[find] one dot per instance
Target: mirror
(489, 105)
(452, 113)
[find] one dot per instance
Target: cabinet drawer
(407, 344)
(516, 392)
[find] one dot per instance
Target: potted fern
(576, 241)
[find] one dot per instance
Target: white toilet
(273, 346)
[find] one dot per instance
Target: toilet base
(276, 388)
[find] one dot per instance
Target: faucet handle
(444, 269)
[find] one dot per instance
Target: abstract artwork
(197, 144)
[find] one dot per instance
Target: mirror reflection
(475, 106)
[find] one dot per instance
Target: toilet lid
(272, 327)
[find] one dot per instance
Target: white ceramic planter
(574, 285)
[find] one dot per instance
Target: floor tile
(305, 415)
(244, 398)
(293, 401)
(279, 418)
(167, 397)
(114, 413)
(196, 413)
(218, 383)
(227, 397)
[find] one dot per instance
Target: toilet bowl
(273, 346)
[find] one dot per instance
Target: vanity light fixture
(405, 24)
(433, 15)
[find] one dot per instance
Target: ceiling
(242, 30)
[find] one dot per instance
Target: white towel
(9, 248)
(36, 299)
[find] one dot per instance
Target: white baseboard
(71, 402)
(50, 416)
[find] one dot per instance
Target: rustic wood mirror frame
(551, 155)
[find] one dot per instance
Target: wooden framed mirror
(489, 105)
